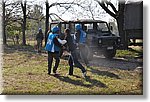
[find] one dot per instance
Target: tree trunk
(120, 22)
(46, 21)
(3, 24)
(24, 23)
(24, 30)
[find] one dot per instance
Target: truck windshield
(97, 27)
(102, 27)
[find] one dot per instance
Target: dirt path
(120, 63)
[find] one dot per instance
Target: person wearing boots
(53, 47)
(73, 59)
(81, 40)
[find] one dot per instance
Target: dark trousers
(73, 59)
(39, 45)
(52, 55)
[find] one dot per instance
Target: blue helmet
(78, 27)
(40, 29)
(55, 29)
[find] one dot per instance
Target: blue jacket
(82, 37)
(50, 46)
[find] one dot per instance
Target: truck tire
(109, 53)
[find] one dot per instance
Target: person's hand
(63, 47)
(62, 41)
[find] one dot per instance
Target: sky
(80, 13)
(77, 12)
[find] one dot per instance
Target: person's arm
(61, 41)
(56, 42)
(77, 36)
(70, 44)
(36, 36)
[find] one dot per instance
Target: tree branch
(112, 6)
(55, 4)
(56, 16)
(102, 4)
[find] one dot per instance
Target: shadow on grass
(13, 48)
(92, 82)
(104, 73)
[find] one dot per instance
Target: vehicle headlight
(99, 41)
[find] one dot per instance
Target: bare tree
(16, 12)
(3, 22)
(46, 20)
(7, 13)
(36, 14)
(48, 6)
(110, 8)
(21, 17)
(23, 6)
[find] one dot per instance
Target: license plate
(110, 48)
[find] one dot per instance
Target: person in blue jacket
(80, 34)
(81, 42)
(53, 46)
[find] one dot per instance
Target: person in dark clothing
(81, 40)
(73, 57)
(53, 46)
(39, 38)
(17, 38)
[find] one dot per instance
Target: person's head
(40, 30)
(55, 30)
(67, 31)
(78, 27)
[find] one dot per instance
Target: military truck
(133, 22)
(100, 40)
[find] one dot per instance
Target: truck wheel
(109, 53)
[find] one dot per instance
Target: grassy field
(25, 72)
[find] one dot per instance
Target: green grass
(131, 53)
(25, 72)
